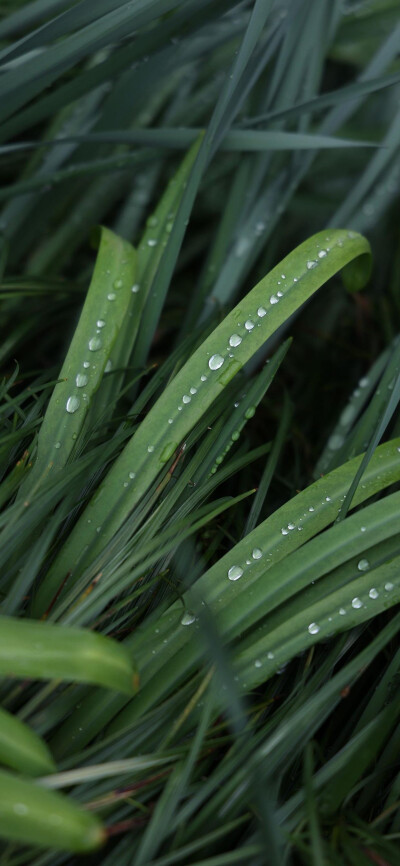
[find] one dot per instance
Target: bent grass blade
(197, 385)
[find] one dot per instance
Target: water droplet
(81, 380)
(363, 529)
(152, 242)
(100, 323)
(150, 448)
(291, 526)
(73, 404)
(311, 265)
(285, 531)
(132, 475)
(203, 378)
(152, 222)
(108, 366)
(170, 420)
(322, 254)
(342, 611)
(188, 618)
(235, 435)
(193, 390)
(257, 663)
(95, 344)
(313, 628)
(327, 498)
(111, 296)
(363, 565)
(373, 593)
(261, 312)
(86, 365)
(215, 362)
(118, 284)
(249, 325)
(279, 294)
(389, 586)
(270, 655)
(57, 445)
(186, 398)
(257, 553)
(273, 299)
(235, 340)
(250, 412)
(311, 508)
(125, 483)
(235, 572)
(135, 288)
(356, 603)
(364, 382)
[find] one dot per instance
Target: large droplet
(95, 344)
(373, 593)
(261, 312)
(188, 618)
(356, 603)
(186, 398)
(311, 265)
(235, 572)
(273, 299)
(235, 340)
(100, 323)
(257, 553)
(249, 325)
(363, 565)
(215, 362)
(313, 628)
(81, 380)
(73, 404)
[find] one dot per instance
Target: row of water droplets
(216, 360)
(95, 343)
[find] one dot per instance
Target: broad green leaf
(31, 815)
(197, 385)
(39, 650)
(22, 749)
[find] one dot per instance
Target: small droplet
(95, 344)
(203, 378)
(327, 498)
(150, 448)
(257, 663)
(188, 618)
(257, 553)
(311, 265)
(118, 284)
(152, 221)
(363, 565)
(111, 296)
(249, 413)
(285, 531)
(132, 475)
(152, 242)
(108, 366)
(273, 299)
(73, 404)
(313, 628)
(373, 593)
(356, 603)
(186, 398)
(81, 380)
(279, 294)
(86, 365)
(261, 312)
(322, 254)
(363, 528)
(135, 288)
(215, 362)
(100, 323)
(235, 340)
(311, 508)
(249, 325)
(342, 611)
(291, 526)
(270, 655)
(389, 586)
(335, 441)
(57, 445)
(193, 390)
(235, 572)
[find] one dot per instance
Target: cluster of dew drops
(216, 360)
(95, 343)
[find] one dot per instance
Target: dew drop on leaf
(215, 362)
(313, 628)
(363, 565)
(73, 404)
(235, 572)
